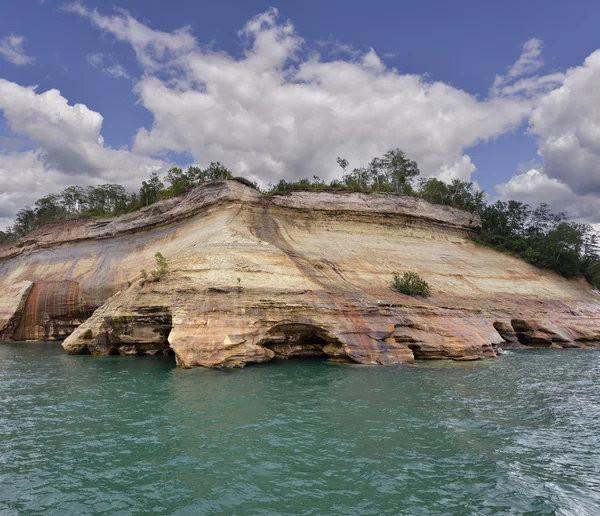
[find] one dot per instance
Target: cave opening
(294, 340)
(418, 353)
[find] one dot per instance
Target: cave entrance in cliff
(298, 340)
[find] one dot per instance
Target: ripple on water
(83, 435)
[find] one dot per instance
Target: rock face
(255, 279)
(12, 305)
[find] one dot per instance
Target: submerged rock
(257, 278)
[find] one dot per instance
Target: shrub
(162, 267)
(160, 271)
(411, 284)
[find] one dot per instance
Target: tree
(25, 221)
(377, 175)
(73, 199)
(399, 170)
(358, 179)
(459, 194)
(105, 199)
(48, 209)
(150, 190)
(162, 267)
(160, 271)
(196, 175)
(343, 164)
(180, 181)
(216, 171)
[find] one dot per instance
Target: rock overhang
(242, 264)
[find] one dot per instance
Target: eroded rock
(122, 330)
(12, 305)
(255, 279)
(534, 334)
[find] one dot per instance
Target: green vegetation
(109, 199)
(537, 235)
(159, 272)
(393, 173)
(542, 238)
(411, 284)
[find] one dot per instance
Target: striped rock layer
(255, 278)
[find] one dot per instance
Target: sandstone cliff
(308, 274)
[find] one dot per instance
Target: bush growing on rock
(411, 284)
(162, 267)
(537, 235)
(160, 271)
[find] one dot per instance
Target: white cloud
(95, 60)
(371, 61)
(461, 169)
(535, 186)
(70, 148)
(25, 177)
(566, 123)
(151, 46)
(281, 111)
(11, 48)
(284, 110)
(528, 63)
(117, 71)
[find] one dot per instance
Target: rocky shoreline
(255, 278)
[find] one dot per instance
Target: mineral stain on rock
(257, 278)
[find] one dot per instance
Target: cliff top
(173, 209)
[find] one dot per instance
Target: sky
(504, 94)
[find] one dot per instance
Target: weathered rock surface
(12, 305)
(254, 279)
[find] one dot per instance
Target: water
(87, 435)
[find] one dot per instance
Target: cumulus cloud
(283, 111)
(566, 123)
(529, 62)
(69, 137)
(11, 48)
(25, 177)
(69, 148)
(534, 186)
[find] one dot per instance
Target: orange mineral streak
(52, 311)
(255, 278)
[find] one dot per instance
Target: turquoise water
(87, 435)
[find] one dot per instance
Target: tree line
(537, 235)
(542, 238)
(391, 173)
(109, 199)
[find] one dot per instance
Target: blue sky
(448, 119)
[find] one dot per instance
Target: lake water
(89, 435)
